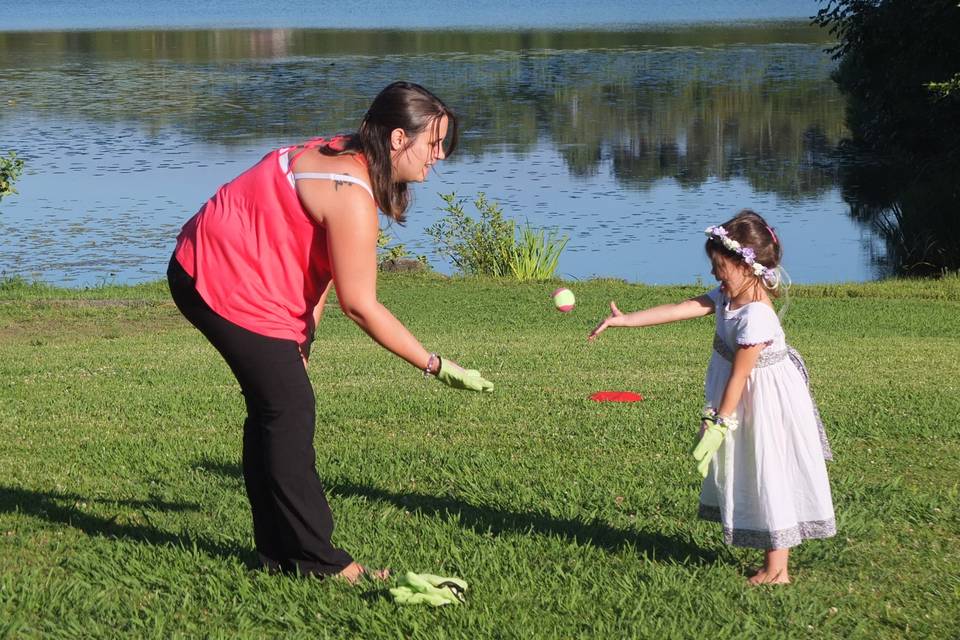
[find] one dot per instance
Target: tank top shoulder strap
(336, 177)
(301, 149)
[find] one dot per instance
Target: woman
(252, 270)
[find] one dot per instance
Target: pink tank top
(258, 259)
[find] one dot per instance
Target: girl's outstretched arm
(661, 314)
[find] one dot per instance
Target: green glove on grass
(715, 430)
(426, 588)
(453, 375)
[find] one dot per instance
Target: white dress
(768, 483)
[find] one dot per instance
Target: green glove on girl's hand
(714, 431)
(453, 375)
(425, 588)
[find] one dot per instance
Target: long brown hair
(400, 105)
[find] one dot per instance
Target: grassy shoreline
(122, 510)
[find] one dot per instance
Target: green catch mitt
(453, 375)
(715, 430)
(425, 588)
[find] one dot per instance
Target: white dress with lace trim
(768, 483)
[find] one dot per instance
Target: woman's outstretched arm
(351, 224)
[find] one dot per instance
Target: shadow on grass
(63, 508)
(482, 520)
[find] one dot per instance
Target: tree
(899, 62)
(899, 65)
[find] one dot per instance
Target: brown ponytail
(401, 105)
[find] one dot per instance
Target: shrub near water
(475, 246)
(489, 245)
(10, 169)
(387, 253)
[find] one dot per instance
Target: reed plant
(536, 253)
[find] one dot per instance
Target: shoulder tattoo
(341, 183)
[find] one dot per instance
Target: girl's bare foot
(769, 577)
(355, 571)
(774, 569)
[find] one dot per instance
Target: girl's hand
(608, 322)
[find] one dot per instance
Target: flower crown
(719, 234)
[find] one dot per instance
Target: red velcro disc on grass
(616, 396)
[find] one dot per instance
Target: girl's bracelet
(434, 358)
(730, 422)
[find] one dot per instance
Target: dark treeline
(902, 168)
(247, 44)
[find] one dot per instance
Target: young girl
(762, 445)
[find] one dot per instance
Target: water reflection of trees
(914, 208)
(768, 114)
(780, 139)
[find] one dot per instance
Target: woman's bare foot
(355, 571)
(769, 577)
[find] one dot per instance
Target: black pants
(292, 523)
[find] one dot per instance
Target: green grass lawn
(122, 511)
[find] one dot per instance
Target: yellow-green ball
(563, 299)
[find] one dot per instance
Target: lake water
(46, 15)
(629, 137)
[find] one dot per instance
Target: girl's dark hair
(401, 105)
(750, 230)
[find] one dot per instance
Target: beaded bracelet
(433, 358)
(730, 422)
